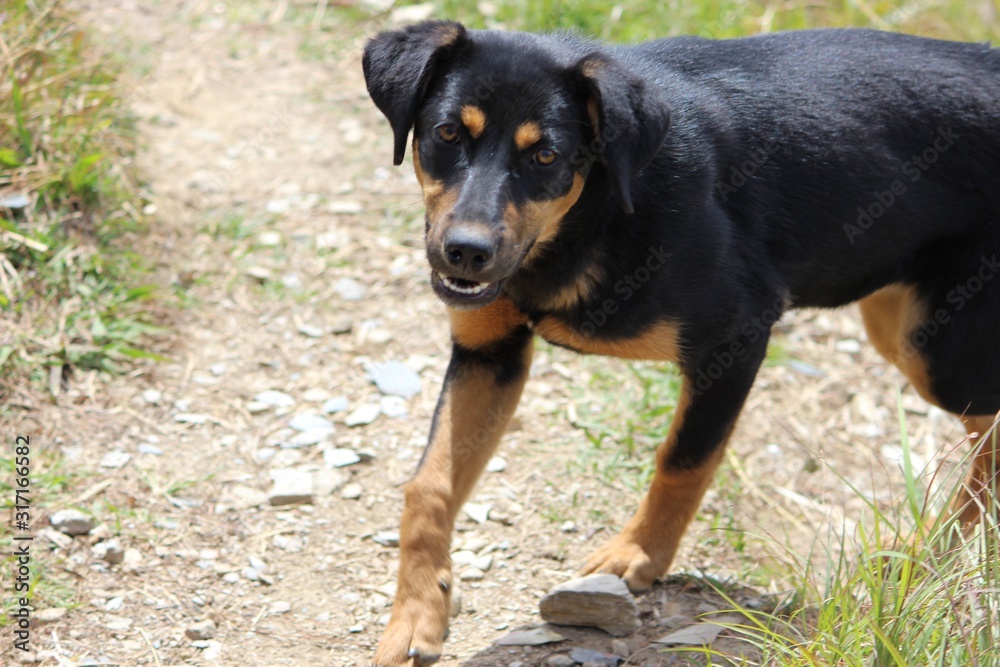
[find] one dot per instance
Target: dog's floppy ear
(629, 118)
(398, 67)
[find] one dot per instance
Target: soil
(270, 174)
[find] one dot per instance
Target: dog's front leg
(481, 390)
(711, 398)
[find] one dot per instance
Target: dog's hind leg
(488, 369)
(951, 360)
(712, 396)
(979, 492)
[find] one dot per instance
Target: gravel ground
(298, 251)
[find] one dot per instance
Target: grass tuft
(932, 598)
(70, 285)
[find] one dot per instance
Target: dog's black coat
(766, 169)
(670, 200)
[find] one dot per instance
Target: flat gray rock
(534, 637)
(290, 487)
(274, 398)
(395, 379)
(308, 421)
(586, 656)
(338, 457)
(335, 404)
(313, 436)
(598, 600)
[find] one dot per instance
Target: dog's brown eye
(448, 133)
(545, 157)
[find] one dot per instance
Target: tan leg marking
(527, 135)
(472, 416)
(644, 549)
(474, 120)
(891, 315)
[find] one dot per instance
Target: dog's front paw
(629, 560)
(417, 628)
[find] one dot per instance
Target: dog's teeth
(475, 288)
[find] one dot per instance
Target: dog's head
(506, 127)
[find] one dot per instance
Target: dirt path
(297, 249)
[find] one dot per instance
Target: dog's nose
(468, 249)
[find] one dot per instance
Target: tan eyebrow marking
(474, 119)
(527, 134)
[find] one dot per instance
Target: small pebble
(337, 457)
(115, 460)
(274, 398)
(393, 406)
(478, 512)
(201, 630)
(72, 522)
(311, 331)
(849, 345)
(349, 289)
(110, 551)
(395, 379)
(387, 538)
(351, 491)
(315, 395)
(363, 414)
(189, 418)
(308, 438)
(335, 404)
(308, 421)
(279, 607)
(49, 615)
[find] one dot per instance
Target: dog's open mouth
(462, 293)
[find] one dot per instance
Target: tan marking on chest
(658, 342)
(477, 328)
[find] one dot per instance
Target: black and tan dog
(668, 201)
